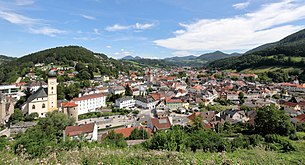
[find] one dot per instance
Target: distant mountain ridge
(190, 60)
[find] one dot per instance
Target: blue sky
(146, 28)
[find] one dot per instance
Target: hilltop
(4, 59)
(290, 51)
(62, 56)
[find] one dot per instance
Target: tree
(71, 91)
(84, 75)
(197, 123)
(241, 97)
(128, 91)
(45, 137)
(137, 134)
(272, 120)
(115, 140)
(16, 116)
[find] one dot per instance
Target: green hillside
(5, 59)
(79, 57)
(286, 52)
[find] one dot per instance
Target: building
(44, 99)
(160, 123)
(35, 85)
(9, 90)
(125, 102)
(71, 109)
(146, 102)
(90, 103)
(82, 132)
(6, 107)
(117, 90)
(52, 91)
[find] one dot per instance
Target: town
(156, 100)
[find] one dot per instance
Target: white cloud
(88, 17)
(240, 6)
(268, 24)
(18, 19)
(35, 26)
(139, 26)
(24, 2)
(108, 46)
(117, 27)
(46, 31)
(136, 26)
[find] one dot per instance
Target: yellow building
(52, 91)
(44, 99)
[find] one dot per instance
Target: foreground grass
(101, 155)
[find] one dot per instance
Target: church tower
(52, 91)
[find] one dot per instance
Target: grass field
(138, 155)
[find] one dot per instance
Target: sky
(146, 28)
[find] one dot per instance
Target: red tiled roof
(156, 96)
(161, 123)
(192, 116)
(78, 130)
(87, 97)
(290, 104)
(127, 131)
(300, 118)
(68, 104)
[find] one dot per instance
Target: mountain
(77, 56)
(131, 58)
(201, 60)
(191, 60)
(216, 56)
(191, 57)
(290, 51)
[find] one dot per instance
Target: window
(52, 88)
(33, 107)
(43, 105)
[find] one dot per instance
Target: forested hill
(63, 56)
(289, 51)
(4, 59)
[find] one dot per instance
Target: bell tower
(52, 91)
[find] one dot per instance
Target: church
(44, 99)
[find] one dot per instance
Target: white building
(90, 103)
(125, 102)
(146, 102)
(11, 90)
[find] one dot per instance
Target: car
(107, 126)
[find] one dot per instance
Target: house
(6, 107)
(298, 119)
(117, 90)
(293, 87)
(146, 102)
(125, 102)
(90, 103)
(174, 104)
(159, 123)
(126, 132)
(82, 132)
